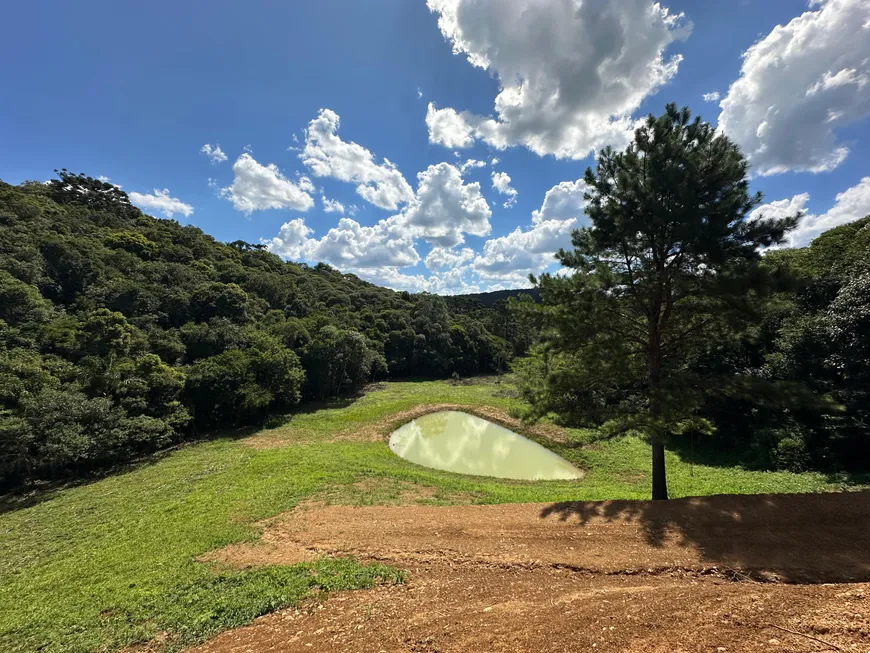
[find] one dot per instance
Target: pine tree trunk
(659, 481)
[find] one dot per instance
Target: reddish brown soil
(612, 576)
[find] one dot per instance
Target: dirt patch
(767, 537)
(612, 576)
(520, 610)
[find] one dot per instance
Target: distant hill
(487, 299)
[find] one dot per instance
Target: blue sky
(133, 92)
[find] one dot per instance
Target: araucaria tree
(671, 259)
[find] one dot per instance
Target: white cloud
(501, 181)
(442, 211)
(291, 241)
(711, 97)
(798, 85)
(160, 200)
(451, 282)
(257, 187)
(444, 208)
(780, 209)
(349, 246)
(850, 205)
(494, 161)
(440, 258)
(295, 138)
(564, 201)
(571, 73)
(327, 155)
(375, 254)
(448, 128)
(513, 257)
(332, 206)
(419, 92)
(470, 164)
(216, 154)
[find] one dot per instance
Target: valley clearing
(313, 536)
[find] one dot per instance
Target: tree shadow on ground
(808, 538)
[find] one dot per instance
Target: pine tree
(670, 257)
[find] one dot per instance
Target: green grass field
(104, 565)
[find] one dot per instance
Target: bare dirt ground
(752, 573)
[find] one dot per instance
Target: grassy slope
(104, 565)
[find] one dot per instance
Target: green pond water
(467, 444)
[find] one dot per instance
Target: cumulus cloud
(470, 165)
(448, 128)
(451, 282)
(798, 85)
(850, 205)
(501, 181)
(513, 257)
(442, 211)
(292, 240)
(327, 155)
(444, 207)
(216, 154)
(440, 258)
(160, 200)
(571, 73)
(564, 201)
(375, 254)
(349, 246)
(332, 206)
(711, 97)
(493, 161)
(257, 187)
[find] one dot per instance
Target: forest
(122, 334)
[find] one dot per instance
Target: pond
(466, 444)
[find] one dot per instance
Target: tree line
(121, 334)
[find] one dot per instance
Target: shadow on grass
(809, 538)
(702, 450)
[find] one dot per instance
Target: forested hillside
(787, 387)
(121, 334)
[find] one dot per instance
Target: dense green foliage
(676, 324)
(669, 261)
(121, 334)
(814, 342)
(106, 564)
